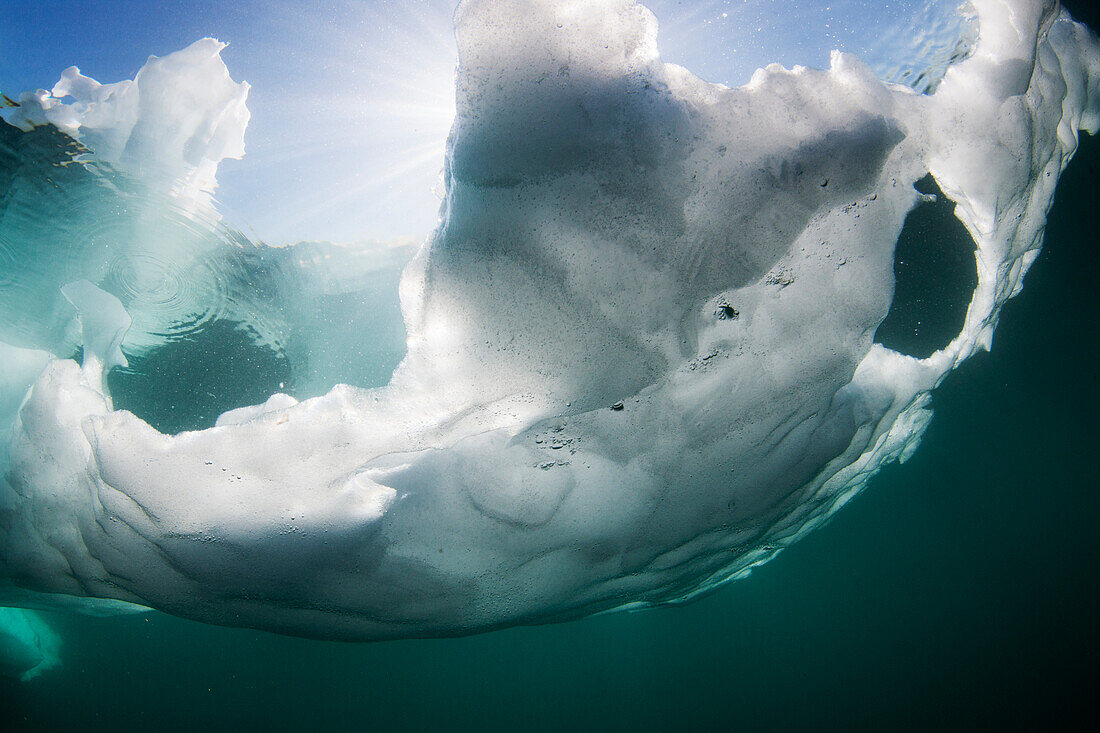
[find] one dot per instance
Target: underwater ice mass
(640, 344)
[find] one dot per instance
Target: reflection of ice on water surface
(910, 43)
(616, 232)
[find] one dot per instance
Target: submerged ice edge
(28, 646)
(640, 357)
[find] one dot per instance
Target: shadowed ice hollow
(640, 344)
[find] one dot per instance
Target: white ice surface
(173, 123)
(600, 206)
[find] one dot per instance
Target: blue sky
(351, 101)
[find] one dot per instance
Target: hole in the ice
(185, 384)
(934, 278)
(726, 312)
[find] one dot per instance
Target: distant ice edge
(171, 125)
(640, 344)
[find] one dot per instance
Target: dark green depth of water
(957, 592)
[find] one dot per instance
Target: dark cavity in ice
(725, 311)
(187, 383)
(934, 278)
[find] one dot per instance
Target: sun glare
(372, 90)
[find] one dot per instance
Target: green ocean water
(957, 592)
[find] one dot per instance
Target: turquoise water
(958, 590)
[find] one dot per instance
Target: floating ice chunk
(640, 345)
(103, 323)
(28, 646)
(174, 122)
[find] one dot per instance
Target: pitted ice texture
(640, 344)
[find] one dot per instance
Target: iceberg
(28, 646)
(174, 122)
(640, 346)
